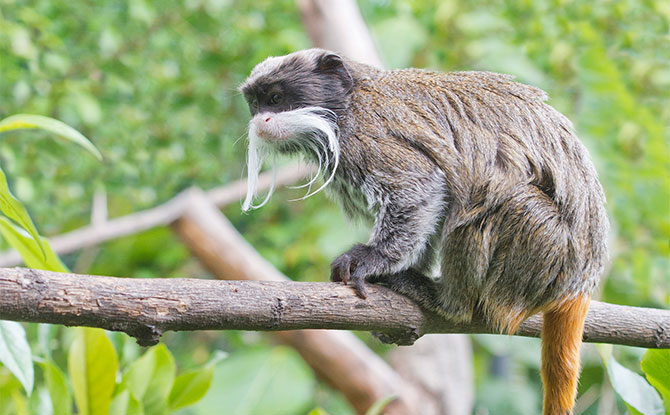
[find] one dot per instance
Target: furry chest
(356, 200)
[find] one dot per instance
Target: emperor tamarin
(468, 172)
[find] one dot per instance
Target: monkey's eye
(275, 99)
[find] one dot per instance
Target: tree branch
(338, 357)
(145, 308)
(339, 26)
(160, 215)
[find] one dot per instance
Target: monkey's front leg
(402, 229)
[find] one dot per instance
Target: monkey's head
(295, 101)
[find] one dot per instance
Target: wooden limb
(340, 358)
(339, 26)
(349, 366)
(146, 307)
(440, 366)
(161, 215)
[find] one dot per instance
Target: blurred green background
(153, 85)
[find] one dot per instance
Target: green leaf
(13, 209)
(150, 379)
(125, 403)
(15, 353)
(12, 401)
(156, 396)
(33, 256)
(379, 406)
(92, 365)
(605, 351)
(29, 121)
(139, 374)
(317, 411)
(190, 387)
(634, 390)
(9, 205)
(656, 365)
(61, 399)
(44, 339)
(40, 402)
(637, 394)
(260, 381)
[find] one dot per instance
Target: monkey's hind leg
(561, 340)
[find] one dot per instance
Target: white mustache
(312, 131)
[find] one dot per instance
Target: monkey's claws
(347, 268)
(359, 286)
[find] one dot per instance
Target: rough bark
(145, 308)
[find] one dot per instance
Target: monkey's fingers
(359, 286)
(340, 269)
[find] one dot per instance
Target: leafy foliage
(640, 397)
(92, 366)
(35, 251)
(153, 83)
(656, 366)
(28, 121)
(261, 381)
(15, 353)
(149, 385)
(57, 386)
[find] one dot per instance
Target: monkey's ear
(329, 61)
(333, 64)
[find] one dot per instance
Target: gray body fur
(468, 171)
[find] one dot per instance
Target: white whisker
(239, 138)
(334, 147)
(272, 184)
(311, 129)
(255, 156)
(313, 177)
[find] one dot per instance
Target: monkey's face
(308, 78)
(279, 86)
(295, 101)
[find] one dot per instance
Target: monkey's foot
(425, 292)
(414, 285)
(354, 266)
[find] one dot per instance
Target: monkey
(471, 176)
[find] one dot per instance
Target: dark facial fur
(300, 80)
(296, 101)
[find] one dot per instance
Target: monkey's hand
(355, 266)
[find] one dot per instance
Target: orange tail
(561, 339)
